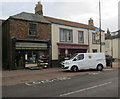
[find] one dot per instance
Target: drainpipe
(112, 47)
(88, 42)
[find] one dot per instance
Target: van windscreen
(72, 56)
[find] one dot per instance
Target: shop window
(80, 36)
(66, 35)
(33, 29)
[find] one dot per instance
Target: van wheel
(74, 69)
(99, 67)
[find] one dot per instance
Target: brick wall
(20, 30)
(5, 45)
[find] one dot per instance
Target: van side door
(90, 61)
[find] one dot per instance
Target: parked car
(109, 60)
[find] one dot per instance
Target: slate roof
(113, 37)
(1, 21)
(30, 17)
(45, 19)
(70, 23)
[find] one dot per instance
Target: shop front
(29, 53)
(66, 50)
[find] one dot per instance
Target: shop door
(20, 60)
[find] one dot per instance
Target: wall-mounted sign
(102, 43)
(96, 30)
(26, 45)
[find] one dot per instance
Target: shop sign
(24, 45)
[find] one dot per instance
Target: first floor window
(32, 29)
(80, 36)
(66, 35)
(95, 38)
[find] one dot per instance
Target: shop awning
(72, 46)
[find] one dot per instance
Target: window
(80, 57)
(66, 35)
(95, 38)
(32, 29)
(107, 45)
(94, 50)
(80, 36)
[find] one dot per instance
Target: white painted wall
(114, 45)
(55, 38)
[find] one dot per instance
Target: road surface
(93, 84)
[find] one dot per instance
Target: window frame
(66, 37)
(82, 41)
(29, 29)
(96, 41)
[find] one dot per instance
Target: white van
(81, 61)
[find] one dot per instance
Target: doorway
(20, 60)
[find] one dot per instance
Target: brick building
(26, 37)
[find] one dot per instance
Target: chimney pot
(38, 9)
(90, 22)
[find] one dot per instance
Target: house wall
(5, 44)
(119, 48)
(55, 38)
(20, 30)
(108, 50)
(115, 48)
(97, 46)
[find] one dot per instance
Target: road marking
(48, 81)
(95, 73)
(108, 69)
(84, 89)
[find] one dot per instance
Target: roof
(30, 17)
(1, 21)
(113, 37)
(69, 23)
(45, 19)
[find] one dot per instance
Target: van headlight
(67, 63)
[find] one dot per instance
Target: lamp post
(100, 25)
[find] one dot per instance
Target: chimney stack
(90, 22)
(108, 31)
(38, 9)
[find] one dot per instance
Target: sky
(73, 10)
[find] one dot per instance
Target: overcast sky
(72, 10)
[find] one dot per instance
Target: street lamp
(100, 25)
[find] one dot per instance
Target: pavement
(13, 77)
